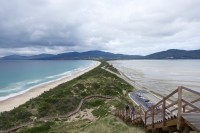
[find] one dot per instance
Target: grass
(66, 97)
(99, 112)
(111, 124)
(45, 127)
(111, 68)
(94, 102)
(106, 124)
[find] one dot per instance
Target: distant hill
(169, 54)
(74, 56)
(175, 54)
(92, 55)
(19, 57)
(14, 57)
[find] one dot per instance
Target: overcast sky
(118, 26)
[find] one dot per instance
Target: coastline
(11, 103)
(138, 86)
(156, 75)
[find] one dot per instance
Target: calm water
(162, 76)
(17, 77)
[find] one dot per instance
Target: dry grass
(106, 124)
(111, 124)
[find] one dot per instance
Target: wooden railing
(130, 116)
(165, 110)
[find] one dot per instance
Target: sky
(136, 27)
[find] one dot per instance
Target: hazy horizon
(88, 51)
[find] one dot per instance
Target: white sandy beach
(13, 102)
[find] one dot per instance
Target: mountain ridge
(175, 54)
(96, 54)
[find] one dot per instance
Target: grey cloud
(122, 26)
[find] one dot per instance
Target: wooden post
(186, 129)
(179, 107)
(163, 112)
(145, 119)
(152, 113)
(171, 114)
(183, 109)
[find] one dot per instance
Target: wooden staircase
(180, 115)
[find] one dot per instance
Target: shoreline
(12, 102)
(138, 86)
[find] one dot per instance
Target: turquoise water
(17, 77)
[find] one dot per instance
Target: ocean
(17, 77)
(162, 76)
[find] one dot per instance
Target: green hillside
(45, 111)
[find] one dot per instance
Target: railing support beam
(145, 119)
(186, 129)
(163, 112)
(152, 113)
(179, 107)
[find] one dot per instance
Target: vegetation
(111, 68)
(106, 124)
(44, 127)
(66, 97)
(94, 103)
(111, 124)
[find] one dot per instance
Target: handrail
(185, 104)
(179, 105)
(190, 90)
(195, 100)
(160, 112)
(158, 103)
(172, 104)
(171, 94)
(193, 106)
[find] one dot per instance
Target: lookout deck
(180, 115)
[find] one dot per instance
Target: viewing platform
(177, 112)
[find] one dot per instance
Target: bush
(43, 109)
(99, 112)
(95, 86)
(95, 102)
(42, 128)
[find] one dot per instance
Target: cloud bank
(119, 26)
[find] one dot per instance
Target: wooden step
(193, 120)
